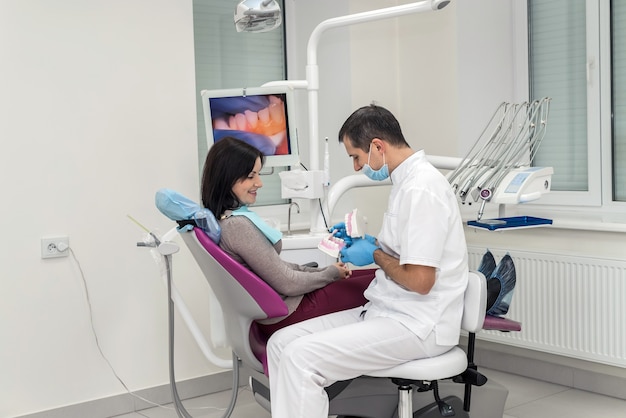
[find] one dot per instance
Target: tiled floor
(527, 399)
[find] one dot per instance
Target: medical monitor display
(260, 116)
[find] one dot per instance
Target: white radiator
(572, 306)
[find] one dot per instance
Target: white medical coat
(422, 226)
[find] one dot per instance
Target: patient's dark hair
(369, 122)
(228, 161)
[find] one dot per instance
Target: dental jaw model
(355, 228)
(355, 225)
(331, 245)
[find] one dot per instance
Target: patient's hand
(344, 271)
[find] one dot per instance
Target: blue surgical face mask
(378, 175)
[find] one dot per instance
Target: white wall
(442, 74)
(97, 112)
(408, 65)
(333, 55)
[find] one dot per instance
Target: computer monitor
(261, 116)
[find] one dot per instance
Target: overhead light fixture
(257, 15)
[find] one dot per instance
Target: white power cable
(97, 341)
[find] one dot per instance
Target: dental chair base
(377, 397)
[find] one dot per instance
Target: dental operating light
(257, 15)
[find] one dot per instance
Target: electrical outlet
(55, 247)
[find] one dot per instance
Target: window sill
(588, 225)
(583, 220)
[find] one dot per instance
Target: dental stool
(425, 373)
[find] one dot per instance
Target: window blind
(557, 48)
(618, 34)
(226, 58)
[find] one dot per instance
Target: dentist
(415, 301)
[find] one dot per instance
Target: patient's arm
(247, 244)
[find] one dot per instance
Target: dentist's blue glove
(359, 253)
(339, 231)
(371, 239)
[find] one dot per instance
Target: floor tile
(571, 403)
(210, 406)
(522, 389)
(527, 398)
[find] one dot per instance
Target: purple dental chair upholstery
(243, 296)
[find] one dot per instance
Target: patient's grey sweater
(249, 246)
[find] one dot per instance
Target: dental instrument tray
(510, 223)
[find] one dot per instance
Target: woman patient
(230, 182)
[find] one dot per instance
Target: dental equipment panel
(498, 166)
(261, 116)
(301, 184)
(524, 184)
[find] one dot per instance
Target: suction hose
(166, 252)
(178, 404)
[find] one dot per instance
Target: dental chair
(245, 298)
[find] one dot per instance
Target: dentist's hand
(371, 239)
(360, 252)
(339, 231)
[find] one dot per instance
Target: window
(577, 56)
(226, 58)
(618, 92)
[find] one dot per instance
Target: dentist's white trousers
(305, 358)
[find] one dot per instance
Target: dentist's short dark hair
(369, 122)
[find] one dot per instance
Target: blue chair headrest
(187, 213)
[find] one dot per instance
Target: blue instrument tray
(511, 222)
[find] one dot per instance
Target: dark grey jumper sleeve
(248, 245)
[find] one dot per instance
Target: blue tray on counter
(511, 222)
